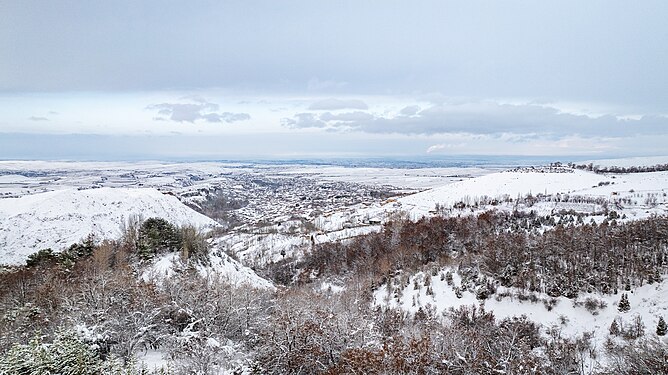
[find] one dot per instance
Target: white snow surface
(59, 218)
(152, 360)
(221, 267)
(641, 161)
(636, 186)
(232, 271)
(418, 178)
(649, 301)
(505, 183)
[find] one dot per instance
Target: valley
(416, 241)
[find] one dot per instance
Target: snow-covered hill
(588, 313)
(220, 267)
(59, 218)
(643, 161)
(509, 183)
(635, 187)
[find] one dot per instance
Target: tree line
(563, 261)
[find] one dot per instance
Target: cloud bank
(192, 112)
(490, 118)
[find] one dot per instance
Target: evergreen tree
(448, 278)
(624, 304)
(614, 328)
(68, 354)
(661, 328)
(44, 257)
(157, 236)
(420, 315)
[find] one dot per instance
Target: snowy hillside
(59, 218)
(643, 161)
(509, 183)
(634, 186)
(221, 267)
(589, 313)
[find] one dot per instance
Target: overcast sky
(332, 78)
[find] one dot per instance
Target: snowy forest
(88, 310)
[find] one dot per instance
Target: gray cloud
(333, 104)
(527, 121)
(304, 120)
(124, 46)
(38, 118)
(410, 110)
(228, 117)
(364, 48)
(191, 112)
(357, 116)
(327, 120)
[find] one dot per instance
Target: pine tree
(661, 328)
(420, 315)
(157, 235)
(624, 304)
(67, 354)
(614, 328)
(448, 277)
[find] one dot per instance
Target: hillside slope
(634, 187)
(59, 218)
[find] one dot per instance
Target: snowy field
(409, 179)
(29, 177)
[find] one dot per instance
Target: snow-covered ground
(60, 218)
(636, 195)
(287, 209)
(221, 267)
(521, 183)
(570, 317)
(52, 212)
(259, 249)
(641, 161)
(411, 179)
(29, 177)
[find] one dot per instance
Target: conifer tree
(614, 328)
(624, 304)
(157, 235)
(661, 328)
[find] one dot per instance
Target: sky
(288, 79)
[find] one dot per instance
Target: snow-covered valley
(265, 226)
